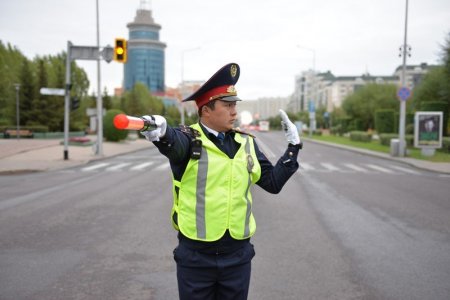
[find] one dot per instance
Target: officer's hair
(210, 104)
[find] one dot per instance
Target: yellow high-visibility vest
(214, 192)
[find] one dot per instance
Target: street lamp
(99, 149)
(401, 128)
(314, 55)
(183, 52)
(17, 86)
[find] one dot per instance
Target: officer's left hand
(290, 130)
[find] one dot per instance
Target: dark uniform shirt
(176, 145)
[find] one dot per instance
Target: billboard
(428, 129)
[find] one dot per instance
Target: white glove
(290, 130)
(154, 135)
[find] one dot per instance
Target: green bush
(360, 136)
(385, 139)
(343, 123)
(109, 131)
(337, 130)
(33, 128)
(409, 129)
(445, 145)
(385, 121)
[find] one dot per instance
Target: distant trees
(435, 88)
(32, 75)
(361, 106)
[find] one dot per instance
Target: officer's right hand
(159, 132)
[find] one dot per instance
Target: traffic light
(74, 103)
(120, 50)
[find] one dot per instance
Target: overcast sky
(272, 40)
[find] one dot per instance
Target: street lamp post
(401, 133)
(17, 86)
(182, 80)
(99, 150)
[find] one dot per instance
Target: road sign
(84, 52)
(52, 92)
(404, 93)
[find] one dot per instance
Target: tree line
(46, 113)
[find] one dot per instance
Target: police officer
(214, 166)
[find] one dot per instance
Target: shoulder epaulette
(238, 130)
(189, 131)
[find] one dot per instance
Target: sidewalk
(34, 155)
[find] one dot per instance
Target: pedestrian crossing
(363, 168)
(305, 167)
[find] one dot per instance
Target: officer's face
(222, 117)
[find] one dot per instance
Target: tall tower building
(145, 52)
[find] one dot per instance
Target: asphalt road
(346, 226)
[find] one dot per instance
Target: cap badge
(231, 89)
(233, 70)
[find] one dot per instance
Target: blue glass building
(145, 53)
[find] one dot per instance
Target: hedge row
(33, 128)
(385, 139)
(360, 136)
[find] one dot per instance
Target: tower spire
(145, 5)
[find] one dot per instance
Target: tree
(27, 93)
(435, 87)
(139, 101)
(361, 105)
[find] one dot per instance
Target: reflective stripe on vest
(214, 193)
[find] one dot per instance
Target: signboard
(404, 93)
(52, 92)
(428, 129)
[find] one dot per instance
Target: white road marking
(118, 167)
(381, 169)
(306, 167)
(162, 167)
(330, 167)
(406, 170)
(356, 168)
(94, 167)
(142, 166)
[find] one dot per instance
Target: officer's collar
(212, 131)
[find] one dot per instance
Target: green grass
(376, 146)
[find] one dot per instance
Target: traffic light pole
(99, 150)
(84, 53)
(67, 102)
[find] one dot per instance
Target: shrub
(337, 130)
(109, 131)
(445, 145)
(385, 120)
(385, 139)
(361, 136)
